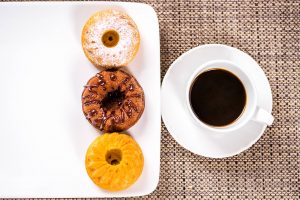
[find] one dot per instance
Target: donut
(110, 38)
(114, 161)
(113, 100)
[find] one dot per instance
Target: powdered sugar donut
(110, 38)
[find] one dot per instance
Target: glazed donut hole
(110, 38)
(113, 156)
(113, 99)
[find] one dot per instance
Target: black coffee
(217, 97)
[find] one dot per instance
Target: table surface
(270, 32)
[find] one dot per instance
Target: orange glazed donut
(113, 100)
(110, 38)
(114, 161)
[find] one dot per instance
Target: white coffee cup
(251, 112)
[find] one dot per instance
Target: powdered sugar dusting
(123, 51)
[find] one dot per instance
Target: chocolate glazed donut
(113, 100)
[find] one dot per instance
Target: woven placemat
(270, 32)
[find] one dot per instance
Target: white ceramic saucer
(178, 119)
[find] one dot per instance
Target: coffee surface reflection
(217, 97)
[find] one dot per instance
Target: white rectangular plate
(43, 132)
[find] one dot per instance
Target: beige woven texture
(270, 32)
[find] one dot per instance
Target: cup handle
(263, 116)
